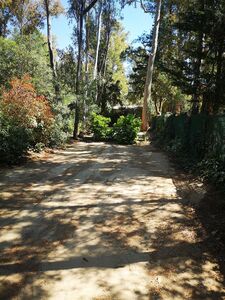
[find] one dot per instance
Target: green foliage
(14, 141)
(166, 97)
(66, 69)
(57, 134)
(183, 70)
(211, 168)
(100, 127)
(39, 147)
(117, 46)
(62, 125)
(175, 146)
(182, 58)
(8, 60)
(126, 128)
(124, 131)
(26, 55)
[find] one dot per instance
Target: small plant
(100, 127)
(211, 168)
(175, 146)
(126, 128)
(39, 147)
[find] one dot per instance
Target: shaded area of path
(100, 221)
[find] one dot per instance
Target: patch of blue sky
(135, 23)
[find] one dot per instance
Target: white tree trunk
(98, 41)
(49, 37)
(151, 60)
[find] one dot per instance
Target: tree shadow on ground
(56, 218)
(209, 214)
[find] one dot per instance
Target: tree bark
(198, 64)
(82, 13)
(86, 67)
(219, 81)
(87, 9)
(50, 49)
(79, 70)
(102, 71)
(98, 42)
(150, 68)
(197, 68)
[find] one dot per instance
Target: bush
(14, 141)
(125, 130)
(211, 168)
(26, 120)
(175, 146)
(57, 136)
(100, 127)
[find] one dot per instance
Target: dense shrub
(14, 140)
(26, 119)
(126, 128)
(213, 169)
(100, 127)
(124, 131)
(23, 106)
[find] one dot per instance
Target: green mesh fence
(216, 140)
(199, 135)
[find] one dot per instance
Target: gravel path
(100, 221)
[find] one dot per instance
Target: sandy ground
(100, 221)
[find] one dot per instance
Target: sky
(135, 22)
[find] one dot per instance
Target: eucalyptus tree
(149, 7)
(27, 15)
(99, 18)
(112, 84)
(110, 14)
(52, 8)
(197, 64)
(78, 10)
(5, 16)
(150, 67)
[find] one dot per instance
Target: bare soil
(99, 221)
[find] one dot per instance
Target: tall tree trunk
(98, 41)
(83, 11)
(104, 64)
(95, 72)
(197, 68)
(207, 99)
(102, 71)
(151, 60)
(86, 18)
(50, 49)
(79, 71)
(197, 73)
(219, 81)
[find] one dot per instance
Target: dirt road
(100, 221)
